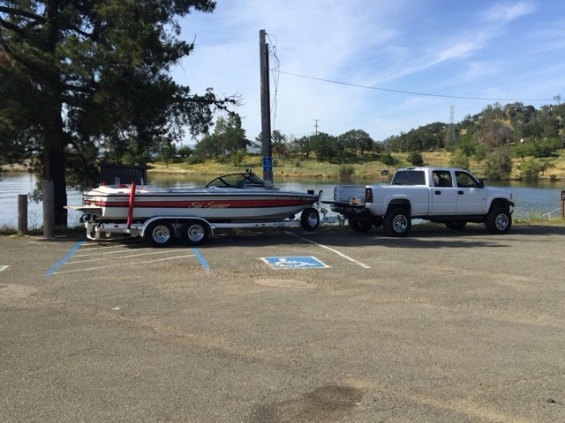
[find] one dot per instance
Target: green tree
(356, 140)
(459, 159)
(305, 146)
(278, 143)
(228, 137)
(530, 169)
(81, 78)
(415, 158)
(327, 147)
(387, 159)
(499, 164)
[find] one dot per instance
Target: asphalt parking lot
(286, 326)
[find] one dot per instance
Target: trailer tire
(397, 222)
(195, 232)
(310, 219)
(160, 234)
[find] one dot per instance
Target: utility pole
(265, 108)
(316, 126)
(450, 130)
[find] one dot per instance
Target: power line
(410, 92)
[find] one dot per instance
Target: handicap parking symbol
(267, 164)
(294, 262)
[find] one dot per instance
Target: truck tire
(360, 225)
(160, 234)
(456, 224)
(397, 222)
(195, 232)
(310, 219)
(498, 220)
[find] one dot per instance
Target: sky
(382, 66)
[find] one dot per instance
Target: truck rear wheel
(397, 222)
(160, 234)
(195, 232)
(498, 220)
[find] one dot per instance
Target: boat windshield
(237, 180)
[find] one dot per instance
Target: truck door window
(464, 180)
(442, 178)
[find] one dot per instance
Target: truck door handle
(437, 192)
(460, 192)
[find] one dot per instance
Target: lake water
(531, 199)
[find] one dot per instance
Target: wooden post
(48, 188)
(265, 107)
(22, 214)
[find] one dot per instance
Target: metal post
(22, 214)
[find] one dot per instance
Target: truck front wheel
(397, 222)
(498, 220)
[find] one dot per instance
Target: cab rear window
(409, 177)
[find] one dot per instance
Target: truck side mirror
(481, 183)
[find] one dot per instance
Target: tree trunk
(54, 169)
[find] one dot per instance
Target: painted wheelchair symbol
(294, 262)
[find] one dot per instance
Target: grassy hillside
(368, 169)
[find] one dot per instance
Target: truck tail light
(368, 195)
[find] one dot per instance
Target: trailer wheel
(195, 232)
(397, 222)
(310, 219)
(498, 221)
(360, 225)
(160, 234)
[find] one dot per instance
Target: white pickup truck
(446, 195)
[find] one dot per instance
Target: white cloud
(503, 13)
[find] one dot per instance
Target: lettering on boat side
(208, 205)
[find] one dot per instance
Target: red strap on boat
(130, 203)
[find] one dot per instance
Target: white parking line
(120, 265)
(123, 255)
(332, 250)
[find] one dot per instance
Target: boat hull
(213, 204)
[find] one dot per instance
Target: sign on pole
(267, 164)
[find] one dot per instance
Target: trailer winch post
(130, 204)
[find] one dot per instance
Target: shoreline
(283, 173)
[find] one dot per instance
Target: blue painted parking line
(65, 259)
(294, 262)
(201, 259)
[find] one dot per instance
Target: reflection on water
(530, 198)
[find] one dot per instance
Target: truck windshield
(409, 177)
